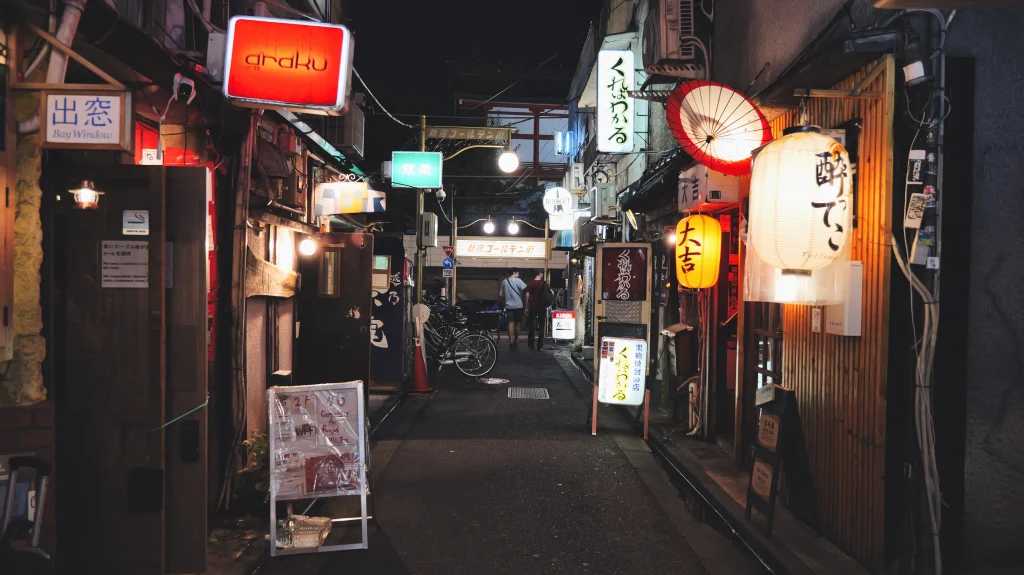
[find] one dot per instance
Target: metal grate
(623, 311)
(528, 393)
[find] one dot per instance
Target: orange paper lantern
(698, 251)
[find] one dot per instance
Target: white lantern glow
(508, 161)
(801, 201)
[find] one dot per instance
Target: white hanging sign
(557, 201)
(559, 222)
(615, 109)
(622, 371)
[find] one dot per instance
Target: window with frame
(381, 272)
(330, 273)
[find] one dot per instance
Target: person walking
(511, 293)
(539, 297)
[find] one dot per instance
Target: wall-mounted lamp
(86, 196)
(489, 226)
(307, 247)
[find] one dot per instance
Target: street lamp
(513, 227)
(489, 226)
(508, 161)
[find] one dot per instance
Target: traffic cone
(420, 381)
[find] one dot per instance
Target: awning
(658, 185)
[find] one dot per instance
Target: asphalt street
(470, 481)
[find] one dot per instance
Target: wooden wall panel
(840, 382)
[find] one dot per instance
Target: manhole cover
(707, 452)
(493, 380)
(528, 393)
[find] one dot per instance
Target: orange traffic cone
(420, 381)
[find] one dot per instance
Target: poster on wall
(317, 441)
(624, 274)
(621, 372)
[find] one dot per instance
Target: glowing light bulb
(307, 247)
(672, 238)
(513, 227)
(489, 227)
(508, 161)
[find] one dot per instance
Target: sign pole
(455, 236)
(420, 252)
(547, 249)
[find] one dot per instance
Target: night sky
(410, 52)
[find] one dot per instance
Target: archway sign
(557, 201)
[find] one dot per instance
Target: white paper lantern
(801, 201)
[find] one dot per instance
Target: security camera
(184, 89)
(441, 195)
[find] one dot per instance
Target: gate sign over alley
(416, 169)
(287, 63)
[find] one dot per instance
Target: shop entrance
(127, 350)
(334, 326)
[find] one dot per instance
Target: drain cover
(528, 393)
(493, 380)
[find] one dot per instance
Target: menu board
(316, 440)
(621, 372)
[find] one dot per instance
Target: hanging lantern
(801, 210)
(698, 251)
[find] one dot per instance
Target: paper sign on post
(124, 264)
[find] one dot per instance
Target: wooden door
(333, 330)
(112, 395)
(187, 287)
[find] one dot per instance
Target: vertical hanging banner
(625, 274)
(615, 109)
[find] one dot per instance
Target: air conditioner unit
(347, 132)
(676, 35)
(701, 189)
(605, 201)
(576, 178)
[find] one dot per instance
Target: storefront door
(129, 347)
(334, 330)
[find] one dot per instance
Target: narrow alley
(471, 481)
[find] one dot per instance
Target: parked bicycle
(448, 340)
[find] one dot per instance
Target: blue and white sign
(448, 263)
(98, 120)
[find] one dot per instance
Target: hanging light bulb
(489, 227)
(86, 196)
(307, 247)
(513, 227)
(508, 161)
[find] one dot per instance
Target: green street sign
(416, 169)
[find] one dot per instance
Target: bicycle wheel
(475, 355)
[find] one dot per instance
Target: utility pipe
(58, 61)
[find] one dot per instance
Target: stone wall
(23, 384)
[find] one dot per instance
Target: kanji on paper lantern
(801, 208)
(698, 251)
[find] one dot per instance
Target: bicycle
(449, 342)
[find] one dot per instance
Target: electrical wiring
(370, 92)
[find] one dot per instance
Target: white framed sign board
(621, 373)
(318, 449)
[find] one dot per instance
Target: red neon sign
(287, 63)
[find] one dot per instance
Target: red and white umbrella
(716, 125)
